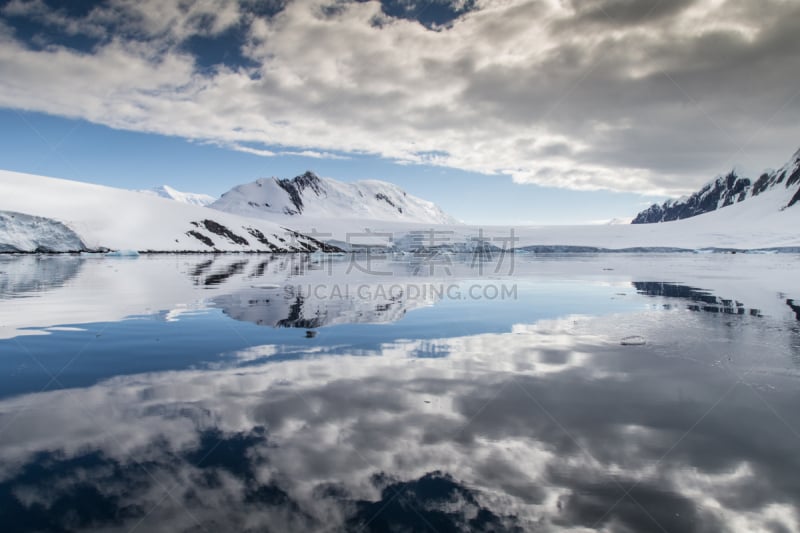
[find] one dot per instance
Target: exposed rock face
(727, 190)
(209, 232)
(294, 188)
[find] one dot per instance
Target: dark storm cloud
(692, 104)
(646, 95)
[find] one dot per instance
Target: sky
(500, 111)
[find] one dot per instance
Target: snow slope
(728, 190)
(314, 197)
(165, 191)
(117, 219)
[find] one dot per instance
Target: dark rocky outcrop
(724, 191)
(260, 237)
(381, 196)
(294, 188)
(795, 307)
(200, 237)
(222, 231)
(795, 198)
(311, 243)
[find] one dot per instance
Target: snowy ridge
(727, 190)
(310, 196)
(191, 198)
(98, 218)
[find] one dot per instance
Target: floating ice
(123, 253)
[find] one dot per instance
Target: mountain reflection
(707, 302)
(313, 292)
(21, 275)
(285, 307)
(794, 307)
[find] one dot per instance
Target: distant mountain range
(728, 190)
(310, 196)
(309, 214)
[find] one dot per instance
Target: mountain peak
(305, 180)
(308, 177)
(315, 197)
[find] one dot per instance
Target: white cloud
(249, 150)
(314, 154)
(177, 19)
(549, 92)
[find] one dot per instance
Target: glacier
(20, 232)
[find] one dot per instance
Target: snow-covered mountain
(191, 198)
(728, 190)
(49, 214)
(40, 213)
(310, 196)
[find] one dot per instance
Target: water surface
(283, 393)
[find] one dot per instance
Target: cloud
(314, 154)
(250, 150)
(651, 97)
(615, 12)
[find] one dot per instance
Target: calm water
(299, 393)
